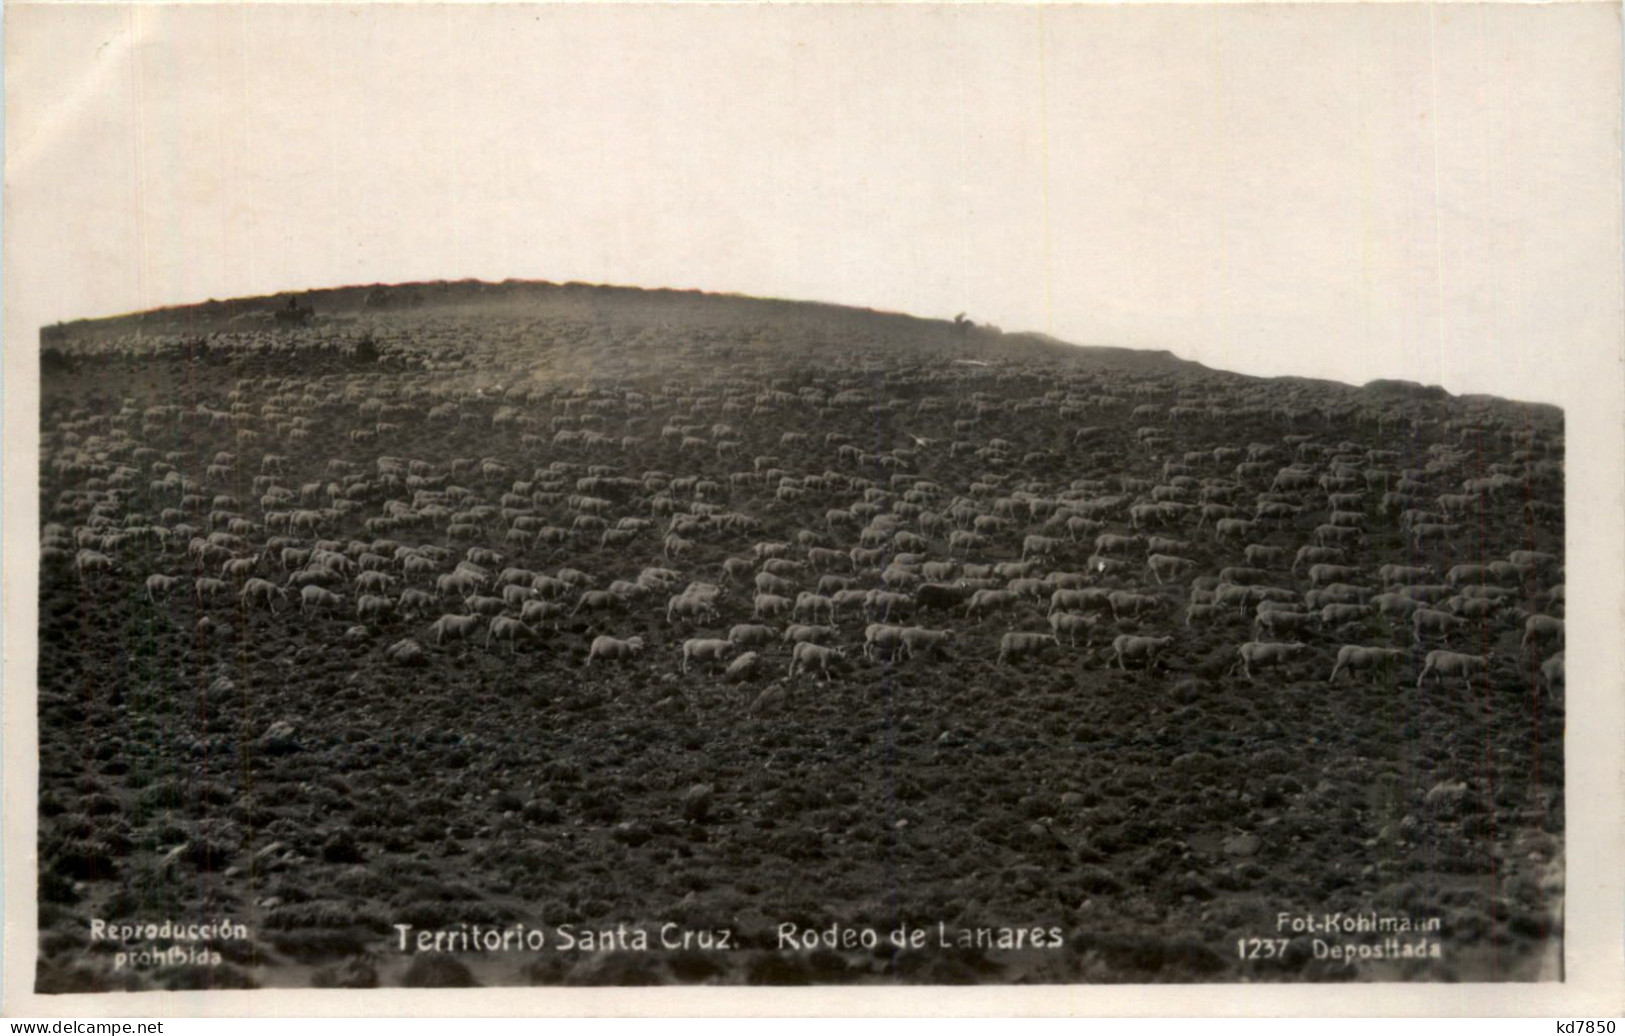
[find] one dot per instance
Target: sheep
(1071, 623)
(1265, 654)
(1441, 664)
(1425, 621)
(886, 604)
(1351, 657)
(1165, 568)
(405, 652)
(768, 583)
(1080, 600)
(1331, 534)
(1112, 543)
(1235, 528)
(917, 639)
(747, 635)
(1391, 575)
(1460, 574)
(88, 561)
(689, 607)
(705, 650)
(1015, 646)
(240, 568)
(1552, 672)
(613, 649)
(741, 668)
(764, 606)
(1395, 604)
(505, 627)
(1343, 614)
(414, 601)
(1126, 646)
(1469, 607)
(1533, 561)
(373, 582)
(1329, 573)
(1126, 601)
(821, 558)
(1200, 613)
(808, 656)
(478, 604)
(600, 600)
(882, 638)
(541, 611)
(1243, 576)
(1040, 546)
(256, 589)
(315, 598)
(1029, 587)
(369, 606)
(1260, 554)
(158, 583)
(808, 605)
(1539, 629)
(457, 584)
(453, 627)
(984, 601)
(1279, 622)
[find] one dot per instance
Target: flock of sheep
(760, 518)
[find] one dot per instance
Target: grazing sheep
(1441, 664)
(690, 608)
(1013, 647)
(88, 561)
(158, 583)
(1132, 604)
(371, 606)
(808, 657)
(1165, 568)
(809, 605)
(1278, 621)
(315, 598)
(415, 602)
(613, 649)
(742, 668)
(453, 627)
(1428, 621)
(1261, 655)
(801, 633)
(405, 652)
(1552, 673)
(1329, 573)
(532, 612)
(747, 635)
(984, 601)
(599, 601)
(705, 650)
(1538, 630)
(917, 639)
(1126, 646)
(1337, 615)
(1351, 657)
(505, 627)
(1071, 623)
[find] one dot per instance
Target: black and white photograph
(541, 497)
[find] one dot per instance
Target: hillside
(598, 611)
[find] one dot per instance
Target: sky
(1344, 191)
